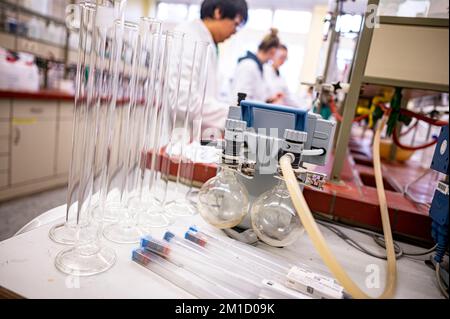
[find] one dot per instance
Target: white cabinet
(32, 152)
(33, 140)
(5, 110)
(64, 138)
(64, 147)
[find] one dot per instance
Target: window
(292, 21)
(194, 12)
(259, 19)
(172, 12)
(348, 23)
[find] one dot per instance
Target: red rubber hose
(409, 129)
(410, 148)
(338, 116)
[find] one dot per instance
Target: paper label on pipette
(313, 284)
(274, 290)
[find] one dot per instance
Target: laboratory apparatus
(227, 272)
(205, 237)
(67, 232)
(162, 123)
(202, 265)
(125, 230)
(297, 276)
(150, 41)
(187, 131)
(227, 254)
(179, 276)
(439, 212)
(274, 290)
(256, 136)
(92, 257)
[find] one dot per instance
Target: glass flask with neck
(274, 218)
(223, 200)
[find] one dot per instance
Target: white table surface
(27, 267)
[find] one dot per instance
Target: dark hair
(228, 8)
(270, 41)
(282, 46)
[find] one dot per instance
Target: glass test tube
(179, 276)
(162, 122)
(191, 107)
(187, 254)
(202, 267)
(91, 257)
(226, 253)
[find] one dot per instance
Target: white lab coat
(277, 84)
(214, 112)
(249, 79)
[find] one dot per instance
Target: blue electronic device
(269, 116)
(440, 157)
(439, 206)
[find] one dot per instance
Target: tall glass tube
(150, 39)
(164, 115)
(125, 230)
(66, 233)
(90, 257)
(191, 107)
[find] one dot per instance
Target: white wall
(315, 53)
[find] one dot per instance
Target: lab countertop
(27, 267)
(38, 95)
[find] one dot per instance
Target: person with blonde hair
(249, 74)
(277, 83)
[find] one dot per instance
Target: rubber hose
(317, 238)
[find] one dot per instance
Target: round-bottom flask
(223, 200)
(274, 218)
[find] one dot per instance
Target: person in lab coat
(249, 74)
(219, 20)
(275, 80)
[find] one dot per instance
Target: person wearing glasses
(219, 20)
(249, 75)
(276, 81)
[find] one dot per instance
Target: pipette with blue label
(180, 277)
(203, 265)
(228, 254)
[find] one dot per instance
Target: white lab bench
(27, 267)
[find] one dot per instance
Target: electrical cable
(355, 244)
(441, 285)
(377, 238)
(380, 242)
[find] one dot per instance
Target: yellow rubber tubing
(318, 240)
